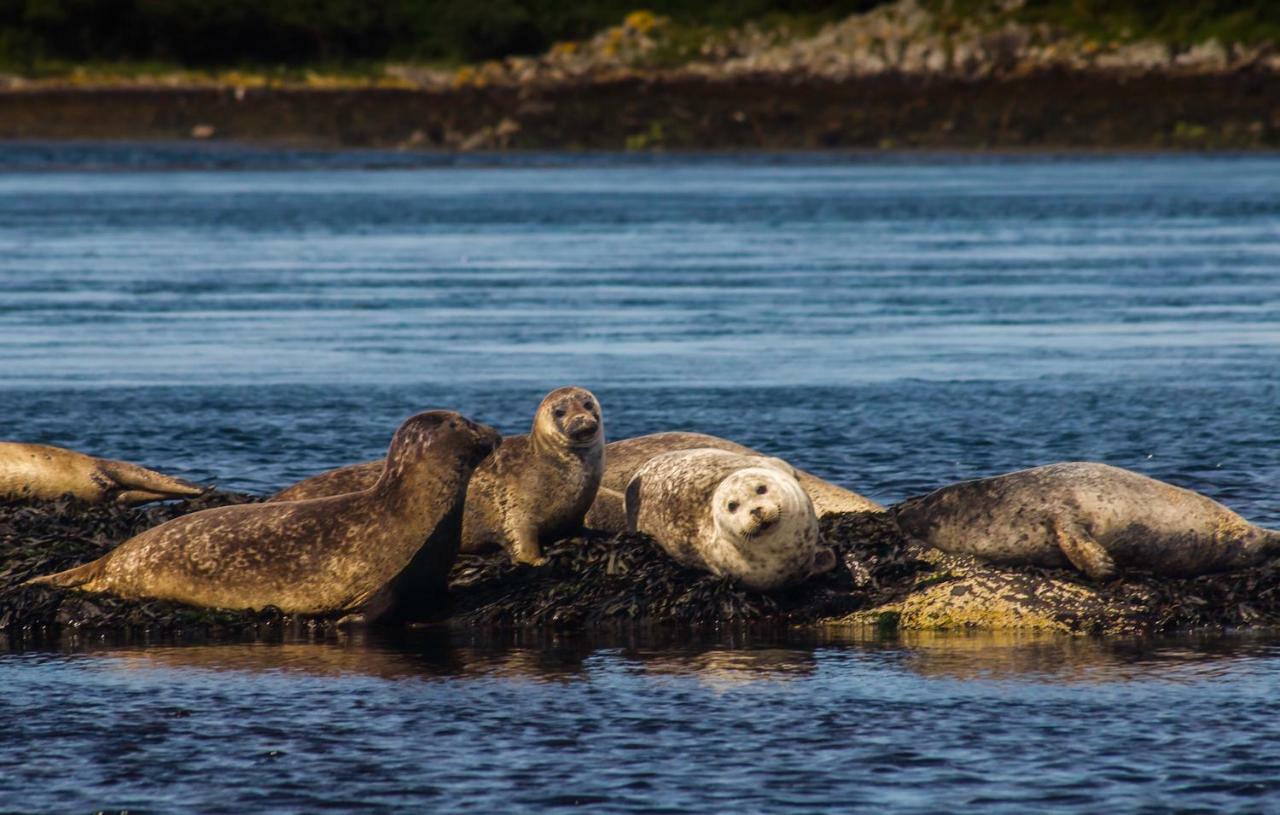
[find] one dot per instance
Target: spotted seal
(347, 553)
(734, 515)
(535, 489)
(1091, 516)
(623, 458)
(41, 472)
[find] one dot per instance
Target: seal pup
(623, 458)
(730, 514)
(1091, 516)
(40, 472)
(318, 556)
(536, 488)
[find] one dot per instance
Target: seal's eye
(733, 506)
(761, 490)
(589, 405)
(559, 413)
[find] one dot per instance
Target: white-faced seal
(40, 472)
(534, 489)
(624, 458)
(1091, 516)
(733, 515)
(317, 556)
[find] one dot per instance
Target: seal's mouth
(762, 525)
(583, 433)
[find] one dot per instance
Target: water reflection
(720, 659)
(1058, 658)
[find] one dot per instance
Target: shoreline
(1048, 111)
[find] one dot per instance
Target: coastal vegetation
(293, 41)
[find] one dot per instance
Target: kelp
(597, 580)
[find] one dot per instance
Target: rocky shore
(896, 77)
(881, 584)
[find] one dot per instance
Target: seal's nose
(763, 518)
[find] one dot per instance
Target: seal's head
(766, 515)
(439, 439)
(569, 417)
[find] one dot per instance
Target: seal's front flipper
(1085, 553)
(524, 547)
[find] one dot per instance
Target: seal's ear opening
(824, 560)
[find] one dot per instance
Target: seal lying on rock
(40, 472)
(733, 515)
(534, 489)
(1090, 516)
(316, 556)
(624, 458)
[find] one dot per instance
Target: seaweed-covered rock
(880, 580)
(597, 579)
(965, 593)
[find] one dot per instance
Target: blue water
(249, 317)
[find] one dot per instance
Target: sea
(893, 322)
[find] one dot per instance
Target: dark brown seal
(316, 556)
(1091, 516)
(624, 458)
(41, 472)
(534, 489)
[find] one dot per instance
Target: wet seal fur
(533, 490)
(741, 516)
(360, 552)
(1094, 517)
(623, 458)
(42, 473)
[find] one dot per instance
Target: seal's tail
(138, 485)
(71, 578)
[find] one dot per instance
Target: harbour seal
(536, 488)
(623, 458)
(347, 553)
(1091, 516)
(734, 515)
(40, 472)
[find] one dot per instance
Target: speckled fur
(624, 458)
(535, 489)
(731, 514)
(1091, 516)
(41, 472)
(312, 556)
(341, 481)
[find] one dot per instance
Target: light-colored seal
(345, 553)
(1091, 516)
(40, 472)
(535, 489)
(734, 515)
(624, 458)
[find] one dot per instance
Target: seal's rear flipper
(1085, 553)
(136, 483)
(71, 578)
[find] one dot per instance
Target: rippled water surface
(250, 317)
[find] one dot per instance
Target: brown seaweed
(595, 580)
